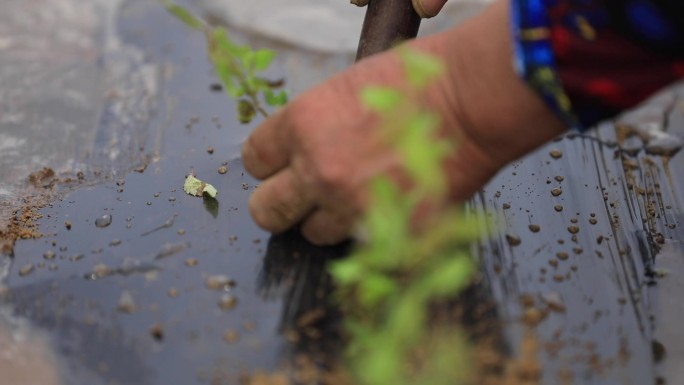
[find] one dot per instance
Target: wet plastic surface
(598, 218)
(135, 301)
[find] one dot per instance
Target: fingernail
(422, 11)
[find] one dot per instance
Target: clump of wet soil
(41, 189)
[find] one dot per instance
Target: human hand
(424, 8)
(317, 155)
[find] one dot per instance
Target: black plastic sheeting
(130, 303)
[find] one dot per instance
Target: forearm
(496, 108)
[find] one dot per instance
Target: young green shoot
(237, 66)
(388, 285)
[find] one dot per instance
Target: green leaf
(374, 288)
(184, 15)
(263, 59)
(347, 271)
(196, 187)
(274, 99)
(421, 68)
(448, 277)
(381, 99)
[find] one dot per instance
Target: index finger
(266, 150)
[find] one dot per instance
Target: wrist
(496, 110)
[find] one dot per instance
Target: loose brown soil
(41, 189)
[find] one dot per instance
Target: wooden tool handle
(387, 22)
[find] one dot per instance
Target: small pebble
(49, 255)
(210, 150)
(157, 332)
(67, 224)
(513, 240)
(191, 262)
(222, 170)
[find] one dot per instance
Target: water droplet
(26, 270)
(573, 229)
(220, 282)
(562, 256)
(173, 292)
(554, 301)
(558, 208)
(103, 221)
(210, 150)
(67, 224)
(556, 192)
(222, 170)
(231, 336)
(227, 302)
(506, 206)
(593, 221)
(556, 153)
(126, 303)
(49, 255)
(191, 262)
(534, 228)
(559, 178)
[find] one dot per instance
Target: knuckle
(277, 215)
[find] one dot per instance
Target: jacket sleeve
(591, 59)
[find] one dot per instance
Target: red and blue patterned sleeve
(592, 59)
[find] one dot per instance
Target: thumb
(428, 8)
